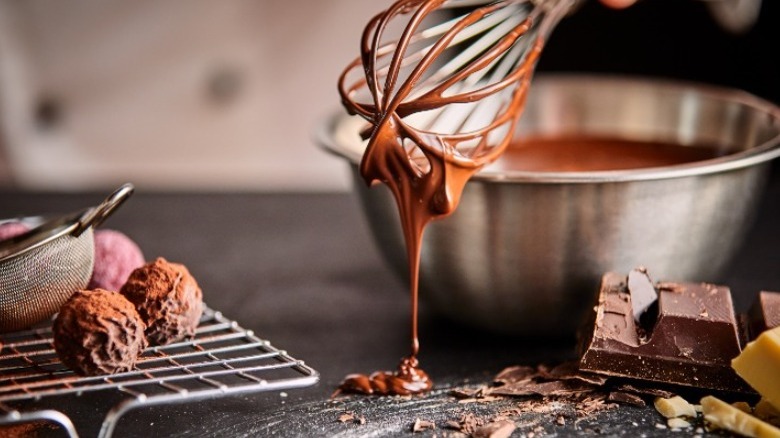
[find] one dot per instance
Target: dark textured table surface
(301, 270)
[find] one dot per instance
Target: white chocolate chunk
(759, 365)
(677, 423)
(674, 407)
(725, 416)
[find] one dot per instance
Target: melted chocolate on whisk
(425, 186)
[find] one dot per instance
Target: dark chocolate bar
(688, 337)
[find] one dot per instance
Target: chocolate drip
(425, 170)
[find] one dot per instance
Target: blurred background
(197, 95)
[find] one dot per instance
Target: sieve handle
(95, 216)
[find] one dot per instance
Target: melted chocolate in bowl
(526, 249)
(587, 154)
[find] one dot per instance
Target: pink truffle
(12, 229)
(116, 256)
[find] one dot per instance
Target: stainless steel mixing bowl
(525, 251)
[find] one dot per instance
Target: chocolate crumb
(468, 423)
(351, 417)
(560, 420)
(422, 425)
(346, 417)
(496, 429)
(452, 424)
(30, 429)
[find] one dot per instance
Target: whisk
(445, 94)
(442, 99)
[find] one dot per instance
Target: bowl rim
(764, 152)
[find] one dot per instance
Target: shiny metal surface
(40, 269)
(525, 250)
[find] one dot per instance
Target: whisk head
(451, 79)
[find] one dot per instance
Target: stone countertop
(301, 270)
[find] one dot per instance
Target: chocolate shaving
(468, 423)
(591, 405)
(626, 398)
(467, 393)
(555, 387)
(515, 374)
(642, 390)
(571, 371)
(566, 371)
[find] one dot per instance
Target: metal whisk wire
(454, 82)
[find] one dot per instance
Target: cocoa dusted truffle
(168, 299)
(98, 332)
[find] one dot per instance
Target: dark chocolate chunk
(764, 314)
(691, 342)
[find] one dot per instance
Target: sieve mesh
(34, 284)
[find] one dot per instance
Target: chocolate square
(689, 340)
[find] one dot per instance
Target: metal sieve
(40, 269)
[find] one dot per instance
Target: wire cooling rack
(222, 358)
